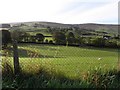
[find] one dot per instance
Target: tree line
(59, 38)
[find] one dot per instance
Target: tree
(6, 38)
(15, 35)
(88, 41)
(21, 36)
(59, 38)
(33, 39)
(70, 35)
(81, 41)
(40, 37)
(70, 38)
(25, 37)
(46, 41)
(111, 43)
(100, 42)
(51, 42)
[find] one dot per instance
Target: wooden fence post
(16, 58)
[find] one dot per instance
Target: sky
(61, 11)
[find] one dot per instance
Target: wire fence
(67, 59)
(38, 61)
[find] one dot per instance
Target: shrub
(46, 41)
(59, 38)
(51, 42)
(111, 43)
(5, 36)
(40, 37)
(99, 42)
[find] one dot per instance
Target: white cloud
(50, 10)
(24, 10)
(105, 14)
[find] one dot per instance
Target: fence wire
(67, 59)
(63, 59)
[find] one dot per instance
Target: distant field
(71, 61)
(44, 33)
(48, 38)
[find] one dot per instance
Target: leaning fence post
(16, 58)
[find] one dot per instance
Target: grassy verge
(45, 79)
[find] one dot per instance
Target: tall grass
(43, 79)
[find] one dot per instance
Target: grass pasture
(42, 32)
(35, 32)
(48, 66)
(71, 61)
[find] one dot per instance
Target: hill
(28, 26)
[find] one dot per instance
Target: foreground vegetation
(44, 79)
(62, 66)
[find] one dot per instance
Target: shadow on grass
(27, 54)
(84, 46)
(45, 79)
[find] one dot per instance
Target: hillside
(99, 27)
(109, 28)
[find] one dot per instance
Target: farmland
(72, 61)
(52, 56)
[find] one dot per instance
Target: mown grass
(64, 66)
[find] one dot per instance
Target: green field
(48, 65)
(44, 33)
(73, 62)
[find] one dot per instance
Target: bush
(71, 40)
(59, 38)
(5, 36)
(40, 37)
(51, 42)
(46, 41)
(99, 42)
(111, 43)
(118, 43)
(87, 41)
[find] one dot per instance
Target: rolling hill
(110, 28)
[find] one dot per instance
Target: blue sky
(61, 11)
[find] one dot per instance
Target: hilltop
(28, 26)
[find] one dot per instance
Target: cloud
(107, 13)
(24, 10)
(63, 11)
